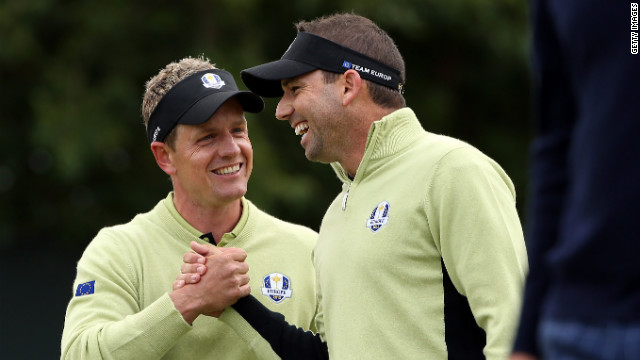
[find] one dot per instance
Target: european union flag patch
(86, 288)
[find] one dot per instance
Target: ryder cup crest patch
(212, 81)
(379, 217)
(277, 287)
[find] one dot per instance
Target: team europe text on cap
(309, 52)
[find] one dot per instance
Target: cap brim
(204, 109)
(265, 80)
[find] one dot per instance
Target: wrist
(185, 305)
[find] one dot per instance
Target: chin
(315, 157)
(234, 194)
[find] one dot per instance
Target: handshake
(211, 279)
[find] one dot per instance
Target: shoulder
(111, 241)
(138, 225)
(452, 153)
(269, 223)
(121, 238)
(443, 144)
(466, 169)
(440, 155)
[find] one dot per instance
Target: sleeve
(472, 212)
(104, 318)
(287, 341)
(553, 120)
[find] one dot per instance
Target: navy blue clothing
(583, 237)
(578, 341)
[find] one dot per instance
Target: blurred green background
(75, 156)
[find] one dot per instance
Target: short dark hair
(364, 36)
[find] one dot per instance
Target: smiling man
(122, 305)
(421, 255)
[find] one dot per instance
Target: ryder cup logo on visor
(277, 287)
(379, 217)
(212, 81)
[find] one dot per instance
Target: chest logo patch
(379, 217)
(277, 287)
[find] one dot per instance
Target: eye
(294, 89)
(239, 126)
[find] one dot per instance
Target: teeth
(301, 128)
(228, 170)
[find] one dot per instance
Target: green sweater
(424, 214)
(121, 308)
(421, 256)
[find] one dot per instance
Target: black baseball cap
(195, 99)
(309, 52)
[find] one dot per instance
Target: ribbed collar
(387, 137)
(188, 230)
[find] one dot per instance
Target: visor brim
(265, 80)
(202, 111)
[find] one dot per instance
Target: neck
(215, 219)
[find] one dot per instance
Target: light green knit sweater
(418, 199)
(129, 315)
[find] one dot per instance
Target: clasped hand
(211, 280)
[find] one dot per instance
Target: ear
(352, 86)
(162, 153)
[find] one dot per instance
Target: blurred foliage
(72, 73)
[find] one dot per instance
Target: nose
(228, 145)
(284, 109)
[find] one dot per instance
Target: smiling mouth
(302, 128)
(227, 170)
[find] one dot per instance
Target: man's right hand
(225, 282)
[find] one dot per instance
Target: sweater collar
(387, 137)
(184, 224)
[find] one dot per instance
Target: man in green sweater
(421, 256)
(123, 306)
